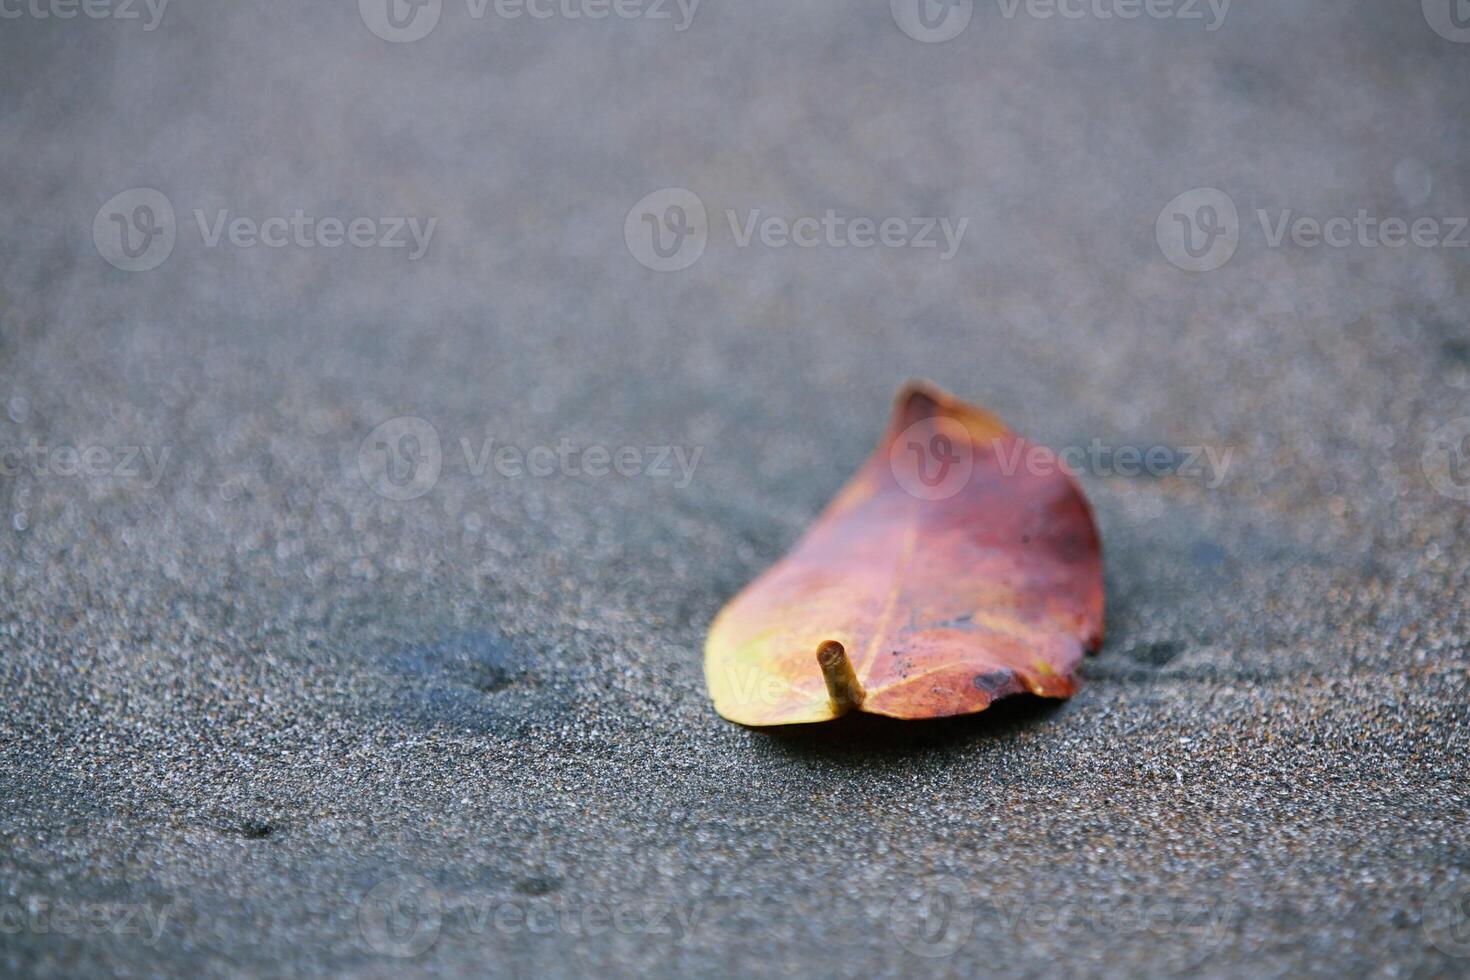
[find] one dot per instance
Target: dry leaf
(961, 564)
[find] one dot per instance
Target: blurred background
(391, 392)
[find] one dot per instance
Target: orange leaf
(961, 564)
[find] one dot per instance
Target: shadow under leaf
(859, 737)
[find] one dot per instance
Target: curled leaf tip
(838, 674)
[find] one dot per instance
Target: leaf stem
(842, 683)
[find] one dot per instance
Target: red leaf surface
(961, 564)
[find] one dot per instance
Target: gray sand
(259, 718)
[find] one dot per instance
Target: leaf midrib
(890, 605)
